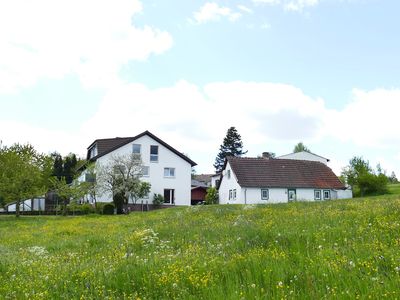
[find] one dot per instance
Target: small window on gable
(154, 153)
(264, 194)
(228, 174)
(136, 148)
(317, 194)
(327, 195)
(169, 172)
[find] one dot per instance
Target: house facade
(165, 168)
(262, 181)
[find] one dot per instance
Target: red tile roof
(283, 173)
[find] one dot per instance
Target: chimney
(267, 155)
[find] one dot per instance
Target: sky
(324, 72)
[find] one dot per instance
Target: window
(169, 196)
(217, 182)
(228, 174)
(230, 194)
(93, 151)
(264, 194)
(153, 153)
(169, 172)
(119, 169)
(136, 149)
(146, 171)
(327, 195)
(234, 195)
(90, 177)
(317, 195)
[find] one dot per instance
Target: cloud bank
(91, 38)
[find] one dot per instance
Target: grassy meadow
(337, 250)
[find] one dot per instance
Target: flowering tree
(121, 178)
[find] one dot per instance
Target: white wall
(304, 156)
(214, 180)
(181, 183)
(276, 195)
(229, 184)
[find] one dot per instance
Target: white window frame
(329, 192)
(148, 171)
(156, 156)
(230, 194)
(234, 194)
(140, 148)
(315, 195)
(262, 194)
(168, 173)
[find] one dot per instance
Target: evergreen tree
(393, 178)
(69, 167)
(300, 147)
(231, 146)
(57, 165)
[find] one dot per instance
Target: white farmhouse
(261, 180)
(165, 168)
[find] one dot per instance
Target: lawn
(336, 249)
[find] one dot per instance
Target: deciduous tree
(24, 173)
(300, 147)
(121, 178)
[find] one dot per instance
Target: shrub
(158, 199)
(108, 209)
(87, 208)
(212, 196)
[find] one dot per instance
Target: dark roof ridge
(131, 139)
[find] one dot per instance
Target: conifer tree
(231, 146)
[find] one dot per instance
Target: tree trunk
(17, 203)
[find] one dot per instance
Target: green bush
(212, 196)
(108, 209)
(87, 208)
(158, 199)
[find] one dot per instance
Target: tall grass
(336, 249)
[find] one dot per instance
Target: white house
(165, 168)
(261, 180)
(304, 155)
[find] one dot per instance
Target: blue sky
(325, 72)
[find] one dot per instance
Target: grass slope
(335, 249)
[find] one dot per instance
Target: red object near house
(198, 194)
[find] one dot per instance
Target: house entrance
(291, 195)
(169, 196)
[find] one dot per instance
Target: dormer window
(93, 151)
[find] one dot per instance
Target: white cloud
(370, 119)
(299, 5)
(290, 5)
(195, 119)
(268, 115)
(211, 12)
(93, 39)
(245, 9)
